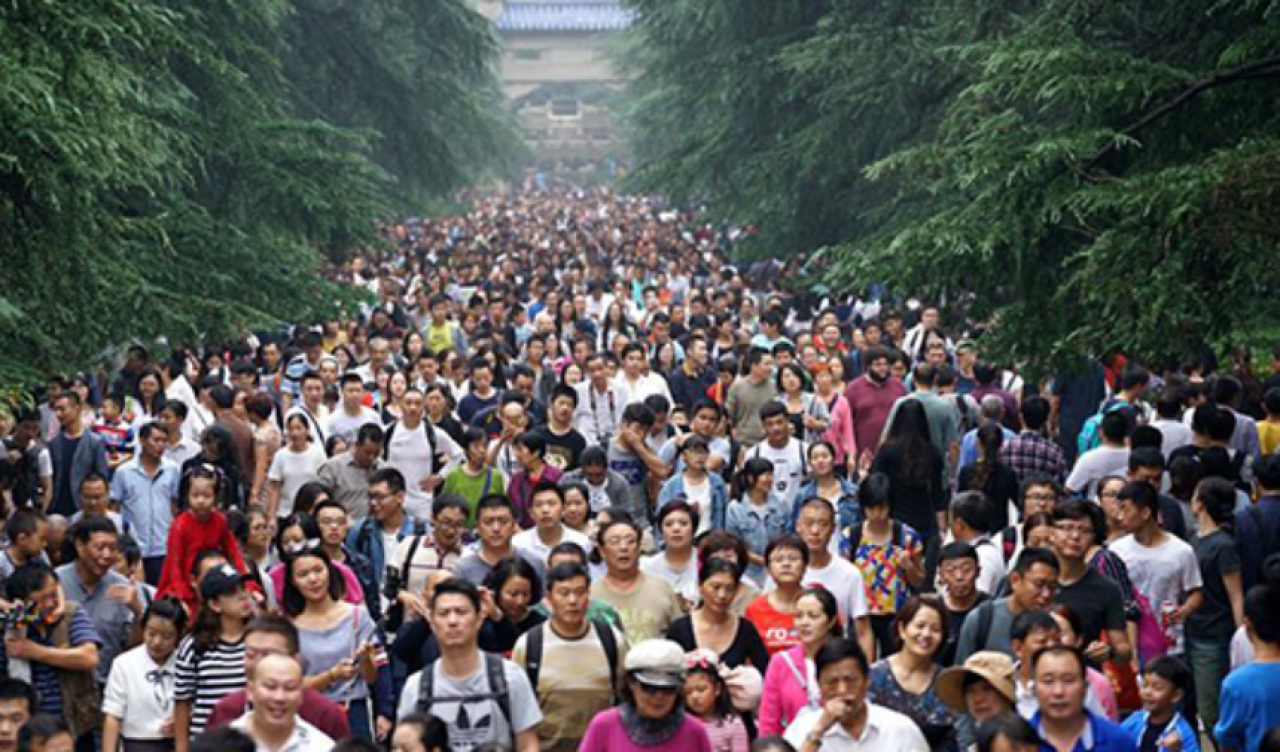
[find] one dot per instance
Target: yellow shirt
(1269, 436)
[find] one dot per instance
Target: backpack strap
(498, 687)
(604, 633)
(488, 481)
(986, 615)
(533, 654)
(899, 535)
(386, 439)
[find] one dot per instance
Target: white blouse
(140, 694)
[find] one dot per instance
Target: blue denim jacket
(674, 489)
(746, 522)
(848, 509)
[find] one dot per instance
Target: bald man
(275, 692)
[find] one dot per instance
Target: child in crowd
(1159, 725)
(201, 527)
(116, 432)
(706, 697)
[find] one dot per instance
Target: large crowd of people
(571, 480)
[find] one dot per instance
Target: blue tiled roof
(573, 16)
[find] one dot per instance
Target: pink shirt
(1105, 692)
(606, 734)
(784, 694)
(840, 434)
(355, 593)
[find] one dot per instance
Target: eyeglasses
(449, 524)
(1042, 497)
(1074, 531)
(331, 522)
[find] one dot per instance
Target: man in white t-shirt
(600, 403)
(1111, 458)
(787, 453)
(546, 504)
(312, 407)
(422, 461)
(345, 422)
(1162, 567)
(816, 525)
(971, 515)
(275, 691)
(635, 380)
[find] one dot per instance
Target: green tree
(1082, 175)
(158, 176)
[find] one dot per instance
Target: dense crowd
(571, 480)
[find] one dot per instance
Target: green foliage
(162, 173)
(1083, 175)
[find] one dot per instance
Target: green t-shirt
(471, 488)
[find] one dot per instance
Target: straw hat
(995, 668)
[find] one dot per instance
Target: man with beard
(871, 397)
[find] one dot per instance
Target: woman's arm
(110, 733)
(273, 500)
(182, 726)
(262, 455)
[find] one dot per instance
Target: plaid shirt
(1032, 454)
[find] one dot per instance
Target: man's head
(481, 374)
(633, 360)
(496, 521)
(530, 450)
(367, 446)
(275, 689)
(97, 545)
(1165, 681)
(1040, 495)
(619, 541)
(1146, 464)
(569, 593)
(1060, 686)
(958, 568)
(564, 401)
(449, 514)
(333, 520)
(595, 465)
(546, 505)
(1034, 580)
(842, 674)
(17, 705)
(758, 363)
(1077, 526)
(1138, 506)
(352, 388)
(386, 493)
(455, 613)
(877, 360)
(972, 515)
(34, 583)
(1031, 632)
(1007, 732)
(266, 635)
(777, 428)
(816, 523)
(66, 408)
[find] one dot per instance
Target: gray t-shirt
(112, 619)
(997, 637)
(475, 570)
(472, 724)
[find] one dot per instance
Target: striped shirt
(44, 677)
(208, 677)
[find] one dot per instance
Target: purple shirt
(869, 406)
(606, 734)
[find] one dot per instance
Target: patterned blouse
(930, 713)
(887, 587)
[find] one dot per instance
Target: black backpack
(498, 690)
(604, 632)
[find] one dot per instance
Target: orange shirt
(778, 630)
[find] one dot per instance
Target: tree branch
(1260, 69)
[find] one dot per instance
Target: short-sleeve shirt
(928, 710)
(140, 693)
(322, 649)
(1217, 555)
(1098, 603)
(887, 588)
(777, 629)
(112, 620)
(574, 682)
(472, 724)
(846, 582)
(647, 611)
(1165, 574)
(44, 678)
(293, 469)
(203, 679)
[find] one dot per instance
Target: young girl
(759, 516)
(577, 508)
(296, 463)
(890, 555)
(200, 528)
(339, 642)
(137, 705)
(210, 661)
(774, 613)
(707, 698)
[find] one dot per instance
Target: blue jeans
(1210, 661)
(358, 718)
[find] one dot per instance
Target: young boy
(116, 432)
(475, 478)
(1163, 567)
(1159, 725)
